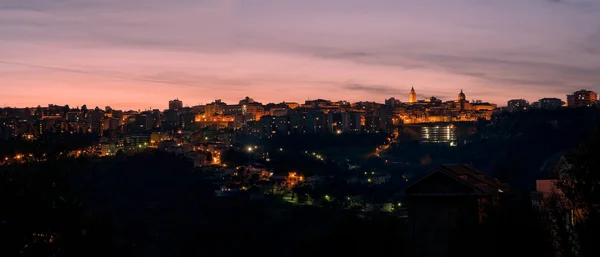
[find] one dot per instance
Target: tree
(580, 184)
(510, 227)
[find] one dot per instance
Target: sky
(139, 54)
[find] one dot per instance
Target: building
(136, 142)
(392, 102)
(354, 122)
(175, 105)
(292, 105)
(461, 102)
(483, 106)
(582, 98)
(412, 96)
(337, 122)
(268, 126)
(550, 103)
(438, 134)
(517, 105)
(74, 116)
(246, 100)
(315, 122)
(448, 203)
(171, 118)
(282, 125)
(254, 110)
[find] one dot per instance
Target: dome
(461, 96)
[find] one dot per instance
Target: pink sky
(140, 54)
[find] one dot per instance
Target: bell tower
(412, 97)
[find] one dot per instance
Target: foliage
(50, 144)
(156, 204)
(580, 184)
(510, 227)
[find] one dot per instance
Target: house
(227, 190)
(546, 190)
(552, 203)
(448, 202)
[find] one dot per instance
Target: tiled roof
(474, 178)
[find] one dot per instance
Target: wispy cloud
(375, 89)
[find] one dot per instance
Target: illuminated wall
(438, 134)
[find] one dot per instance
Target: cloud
(373, 89)
(166, 78)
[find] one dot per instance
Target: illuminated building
(582, 98)
(378, 120)
(215, 108)
(297, 123)
(317, 103)
(412, 97)
(282, 125)
(254, 110)
(433, 101)
(203, 120)
(110, 124)
(157, 137)
(517, 105)
(292, 105)
(175, 105)
(187, 119)
(337, 121)
(136, 142)
(483, 107)
(438, 134)
(268, 126)
(253, 128)
(278, 111)
(315, 122)
(354, 122)
(110, 148)
(550, 103)
(73, 116)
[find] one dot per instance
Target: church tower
(412, 97)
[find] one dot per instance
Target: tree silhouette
(580, 183)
